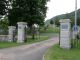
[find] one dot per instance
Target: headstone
(11, 33)
(65, 40)
(21, 32)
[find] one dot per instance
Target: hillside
(70, 16)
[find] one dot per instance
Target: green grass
(50, 30)
(38, 39)
(8, 44)
(57, 53)
(29, 41)
(75, 43)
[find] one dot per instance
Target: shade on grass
(57, 53)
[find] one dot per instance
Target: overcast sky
(57, 7)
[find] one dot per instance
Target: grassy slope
(56, 53)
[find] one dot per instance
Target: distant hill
(70, 16)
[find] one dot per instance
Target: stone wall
(3, 38)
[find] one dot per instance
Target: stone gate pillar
(65, 40)
(21, 32)
(11, 33)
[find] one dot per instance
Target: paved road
(27, 52)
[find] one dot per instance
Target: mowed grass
(29, 41)
(57, 53)
(37, 39)
(8, 44)
(50, 30)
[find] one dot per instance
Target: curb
(43, 58)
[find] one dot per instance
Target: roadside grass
(29, 41)
(57, 53)
(50, 30)
(8, 44)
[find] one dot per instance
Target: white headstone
(21, 32)
(11, 32)
(65, 33)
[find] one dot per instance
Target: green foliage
(30, 11)
(4, 26)
(75, 43)
(4, 23)
(2, 7)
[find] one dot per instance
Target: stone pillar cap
(12, 27)
(21, 23)
(64, 20)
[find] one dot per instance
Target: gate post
(21, 32)
(11, 33)
(65, 40)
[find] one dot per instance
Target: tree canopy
(3, 7)
(30, 11)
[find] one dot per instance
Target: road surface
(27, 52)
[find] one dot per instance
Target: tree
(30, 11)
(4, 26)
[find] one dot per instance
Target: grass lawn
(8, 44)
(29, 41)
(50, 30)
(38, 39)
(57, 53)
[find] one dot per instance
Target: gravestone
(21, 32)
(11, 33)
(65, 40)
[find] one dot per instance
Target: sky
(57, 7)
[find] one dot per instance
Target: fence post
(11, 33)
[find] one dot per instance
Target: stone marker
(21, 32)
(10, 33)
(65, 40)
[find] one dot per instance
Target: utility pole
(75, 27)
(75, 12)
